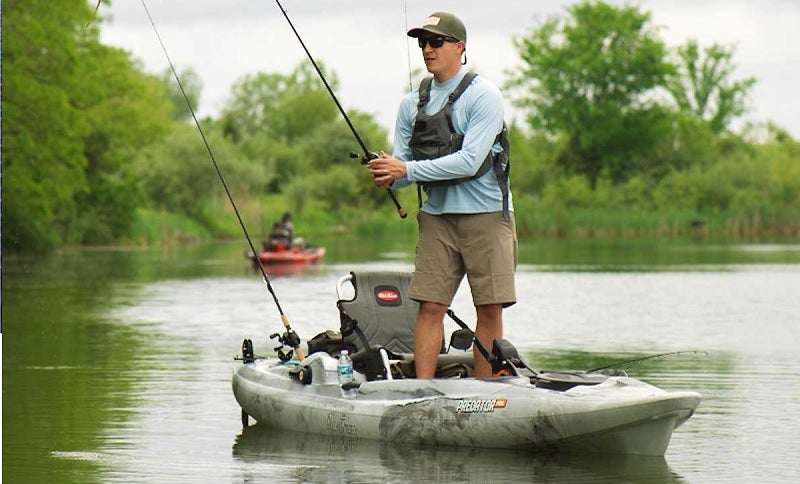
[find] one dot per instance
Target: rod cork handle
(297, 350)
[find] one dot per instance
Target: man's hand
(386, 170)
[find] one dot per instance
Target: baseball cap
(441, 23)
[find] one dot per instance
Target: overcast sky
(364, 42)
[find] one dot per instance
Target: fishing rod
(368, 155)
(290, 338)
(504, 356)
(408, 49)
(94, 15)
(645, 358)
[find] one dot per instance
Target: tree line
(622, 136)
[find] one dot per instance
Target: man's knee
(489, 312)
(431, 311)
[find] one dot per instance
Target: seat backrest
(384, 313)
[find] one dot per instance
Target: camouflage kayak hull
(619, 415)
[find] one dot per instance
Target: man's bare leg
(428, 338)
(488, 328)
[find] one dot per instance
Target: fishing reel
(366, 158)
(290, 339)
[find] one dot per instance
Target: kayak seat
(379, 308)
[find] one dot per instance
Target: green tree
(43, 131)
(73, 110)
(340, 181)
(178, 175)
(589, 79)
(333, 143)
(190, 84)
(292, 126)
(703, 85)
(284, 107)
(531, 161)
(125, 109)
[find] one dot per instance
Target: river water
(117, 363)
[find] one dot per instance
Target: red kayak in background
(292, 255)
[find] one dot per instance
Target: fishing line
(284, 319)
(408, 49)
(368, 155)
(644, 358)
(94, 15)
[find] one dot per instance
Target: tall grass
(534, 220)
(615, 222)
(154, 227)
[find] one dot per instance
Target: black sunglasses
(435, 42)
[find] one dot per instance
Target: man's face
(442, 55)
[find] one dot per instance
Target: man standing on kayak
(450, 139)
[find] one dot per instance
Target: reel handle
(371, 155)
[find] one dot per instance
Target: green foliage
(531, 160)
(590, 79)
(126, 109)
(178, 176)
(339, 188)
(274, 159)
(608, 155)
(190, 84)
(783, 173)
(703, 85)
(43, 131)
(689, 142)
(283, 107)
(97, 151)
(73, 112)
(160, 227)
(293, 126)
(331, 144)
(744, 181)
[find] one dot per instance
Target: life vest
(434, 136)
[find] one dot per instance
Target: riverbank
(160, 228)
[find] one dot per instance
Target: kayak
(616, 415)
(293, 255)
(540, 411)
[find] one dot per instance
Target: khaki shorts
(483, 246)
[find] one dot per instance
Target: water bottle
(346, 374)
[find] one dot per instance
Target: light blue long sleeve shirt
(478, 114)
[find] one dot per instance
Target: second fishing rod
(290, 337)
(368, 155)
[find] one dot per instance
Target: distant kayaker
(288, 226)
(450, 139)
(282, 234)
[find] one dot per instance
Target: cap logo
(431, 22)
